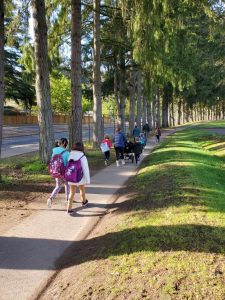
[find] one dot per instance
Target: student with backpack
(77, 174)
(105, 146)
(57, 168)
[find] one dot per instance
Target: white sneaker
(117, 163)
(49, 202)
(123, 162)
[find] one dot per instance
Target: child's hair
(63, 142)
(118, 129)
(56, 144)
(106, 136)
(79, 146)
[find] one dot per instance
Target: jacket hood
(74, 154)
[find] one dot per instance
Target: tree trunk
(158, 123)
(132, 100)
(122, 86)
(187, 111)
(139, 98)
(149, 114)
(165, 107)
(116, 91)
(144, 110)
(179, 112)
(154, 112)
(172, 114)
(75, 122)
(42, 80)
(2, 85)
(97, 108)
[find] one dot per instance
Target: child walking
(119, 145)
(59, 182)
(106, 145)
(77, 152)
(157, 134)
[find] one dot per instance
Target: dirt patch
(21, 198)
(20, 201)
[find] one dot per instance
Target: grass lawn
(28, 167)
(166, 239)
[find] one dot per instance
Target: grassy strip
(169, 241)
(29, 168)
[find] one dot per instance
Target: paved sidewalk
(29, 250)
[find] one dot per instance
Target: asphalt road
(25, 138)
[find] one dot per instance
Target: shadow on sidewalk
(193, 238)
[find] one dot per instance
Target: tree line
(160, 62)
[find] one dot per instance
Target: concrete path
(29, 250)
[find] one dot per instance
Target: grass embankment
(169, 237)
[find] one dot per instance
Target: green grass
(169, 242)
(214, 124)
(30, 168)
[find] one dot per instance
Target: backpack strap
(63, 151)
(81, 157)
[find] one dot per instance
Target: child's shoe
(49, 202)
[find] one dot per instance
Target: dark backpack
(56, 166)
(74, 171)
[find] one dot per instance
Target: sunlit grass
(170, 243)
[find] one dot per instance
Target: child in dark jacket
(119, 144)
(158, 134)
(137, 148)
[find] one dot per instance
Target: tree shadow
(192, 238)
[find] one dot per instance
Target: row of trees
(159, 61)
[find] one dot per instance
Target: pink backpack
(56, 166)
(74, 171)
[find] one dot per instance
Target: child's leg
(107, 155)
(117, 153)
(82, 193)
(67, 190)
(58, 186)
(136, 158)
(71, 196)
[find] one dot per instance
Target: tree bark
(172, 114)
(122, 86)
(2, 60)
(179, 111)
(132, 100)
(149, 114)
(158, 123)
(139, 98)
(154, 112)
(144, 110)
(97, 108)
(165, 108)
(75, 122)
(42, 80)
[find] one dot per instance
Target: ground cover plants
(165, 237)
